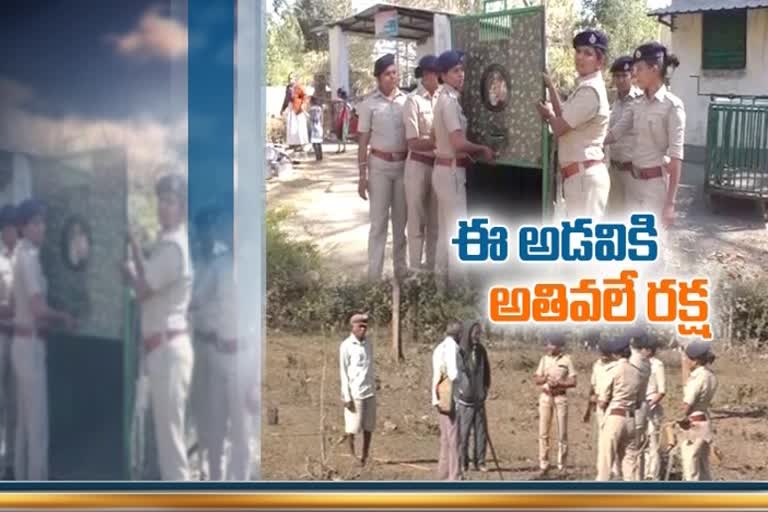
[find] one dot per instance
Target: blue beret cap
(604, 345)
(696, 349)
(427, 63)
(7, 216)
(651, 52)
(618, 344)
(556, 339)
(593, 38)
(638, 337)
(622, 65)
(28, 210)
(382, 63)
(449, 60)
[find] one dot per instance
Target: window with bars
(724, 39)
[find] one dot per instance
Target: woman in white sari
(296, 123)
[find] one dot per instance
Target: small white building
(723, 50)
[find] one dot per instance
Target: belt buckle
(635, 172)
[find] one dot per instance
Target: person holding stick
(163, 286)
(474, 379)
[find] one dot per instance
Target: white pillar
(339, 59)
(442, 33)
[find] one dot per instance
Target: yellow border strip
(391, 500)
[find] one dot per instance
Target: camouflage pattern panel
(504, 61)
(87, 224)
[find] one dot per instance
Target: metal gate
(737, 150)
(506, 53)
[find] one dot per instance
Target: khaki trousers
(29, 367)
(586, 193)
(620, 185)
(450, 187)
(652, 453)
(616, 439)
(599, 422)
(386, 201)
(553, 408)
(169, 368)
(230, 419)
(422, 215)
(7, 403)
(448, 463)
(201, 398)
(646, 195)
(694, 452)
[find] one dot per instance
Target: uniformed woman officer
(449, 178)
(31, 315)
(657, 119)
(382, 169)
(697, 398)
(163, 286)
(580, 125)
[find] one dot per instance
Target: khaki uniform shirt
(168, 272)
(621, 150)
(586, 111)
(700, 390)
(625, 389)
(657, 383)
(658, 124)
(418, 115)
(7, 258)
(203, 307)
(601, 374)
(449, 117)
(28, 281)
(225, 298)
(383, 118)
(556, 367)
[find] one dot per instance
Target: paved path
(329, 212)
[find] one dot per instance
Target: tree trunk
(397, 353)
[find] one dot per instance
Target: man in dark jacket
(471, 389)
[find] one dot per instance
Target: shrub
(303, 294)
(743, 310)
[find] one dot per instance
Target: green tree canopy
(626, 22)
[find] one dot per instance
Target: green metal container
(737, 151)
(506, 54)
(91, 371)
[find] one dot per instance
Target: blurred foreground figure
(163, 285)
(233, 366)
(28, 352)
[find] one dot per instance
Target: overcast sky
(79, 74)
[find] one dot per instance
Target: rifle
(591, 405)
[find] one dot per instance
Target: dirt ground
(329, 212)
(731, 244)
(405, 445)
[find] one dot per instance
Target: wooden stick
(396, 349)
(490, 444)
(322, 407)
(385, 461)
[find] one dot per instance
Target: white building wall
(686, 43)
